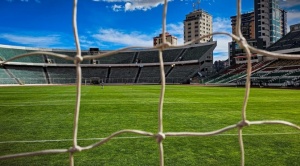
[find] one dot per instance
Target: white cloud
(131, 5)
(37, 41)
(122, 38)
(116, 8)
(220, 56)
(119, 37)
(221, 25)
(289, 3)
(86, 43)
(293, 17)
(37, 1)
(174, 29)
(177, 31)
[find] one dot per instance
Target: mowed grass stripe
(187, 108)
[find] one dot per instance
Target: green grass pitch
(43, 116)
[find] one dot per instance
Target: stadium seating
(225, 74)
(123, 74)
(182, 73)
(151, 74)
(28, 74)
(119, 58)
(7, 53)
(148, 57)
(171, 55)
(62, 75)
(135, 66)
(289, 41)
(90, 72)
(5, 78)
(195, 53)
(60, 60)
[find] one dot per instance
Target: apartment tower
(270, 21)
(261, 28)
(196, 24)
(169, 38)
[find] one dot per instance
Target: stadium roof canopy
(290, 43)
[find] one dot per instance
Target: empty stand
(123, 74)
(88, 72)
(136, 66)
(28, 74)
(195, 53)
(62, 75)
(148, 57)
(182, 73)
(151, 74)
(5, 77)
(60, 60)
(119, 58)
(289, 41)
(8, 53)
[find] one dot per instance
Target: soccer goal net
(160, 135)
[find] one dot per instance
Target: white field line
(139, 137)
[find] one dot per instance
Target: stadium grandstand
(135, 66)
(266, 71)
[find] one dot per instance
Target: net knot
(75, 149)
(243, 123)
(160, 136)
(243, 42)
(78, 59)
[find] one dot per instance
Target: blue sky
(113, 24)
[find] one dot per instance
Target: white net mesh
(160, 135)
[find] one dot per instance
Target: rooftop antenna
(199, 4)
(194, 7)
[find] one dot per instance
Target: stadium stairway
(12, 76)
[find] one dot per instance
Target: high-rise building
(196, 24)
(169, 38)
(247, 25)
(270, 21)
(261, 28)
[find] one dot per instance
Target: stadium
(162, 105)
(266, 71)
(185, 65)
(135, 66)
